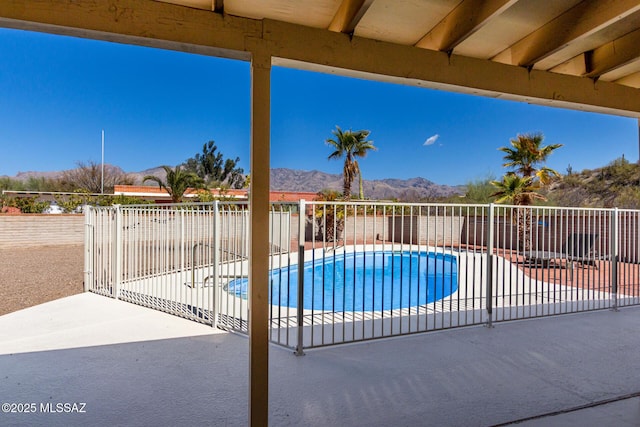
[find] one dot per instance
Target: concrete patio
(134, 366)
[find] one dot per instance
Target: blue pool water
(369, 281)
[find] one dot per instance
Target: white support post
(259, 240)
(300, 303)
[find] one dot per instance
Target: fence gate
(187, 260)
(163, 257)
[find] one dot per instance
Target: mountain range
(283, 179)
(384, 189)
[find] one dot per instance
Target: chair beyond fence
(367, 269)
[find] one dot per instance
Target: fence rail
(352, 271)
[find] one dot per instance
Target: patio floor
(134, 366)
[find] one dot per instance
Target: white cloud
(431, 140)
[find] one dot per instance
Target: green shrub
(25, 204)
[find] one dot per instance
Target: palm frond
(526, 154)
(516, 190)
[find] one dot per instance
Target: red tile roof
(274, 196)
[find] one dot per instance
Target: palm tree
(525, 156)
(520, 186)
(176, 182)
(518, 191)
(330, 218)
(349, 144)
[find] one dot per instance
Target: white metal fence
(343, 271)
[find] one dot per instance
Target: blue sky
(159, 107)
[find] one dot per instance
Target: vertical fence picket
(117, 251)
(489, 284)
(614, 257)
(301, 267)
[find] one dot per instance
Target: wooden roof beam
(582, 20)
(614, 54)
(464, 20)
(348, 15)
(140, 22)
(632, 80)
(323, 51)
(576, 66)
(604, 59)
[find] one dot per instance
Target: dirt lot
(33, 275)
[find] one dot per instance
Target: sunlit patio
(136, 366)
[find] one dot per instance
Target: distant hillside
(136, 177)
(403, 189)
(139, 176)
(25, 176)
(614, 185)
(413, 189)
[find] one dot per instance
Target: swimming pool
(364, 281)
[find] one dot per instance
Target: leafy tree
(72, 202)
(177, 182)
(206, 196)
(25, 204)
(88, 177)
(214, 169)
(7, 183)
(43, 184)
(478, 191)
(31, 184)
(120, 199)
(349, 144)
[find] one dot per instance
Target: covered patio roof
(568, 53)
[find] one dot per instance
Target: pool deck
(135, 366)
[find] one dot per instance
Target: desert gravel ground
(33, 275)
